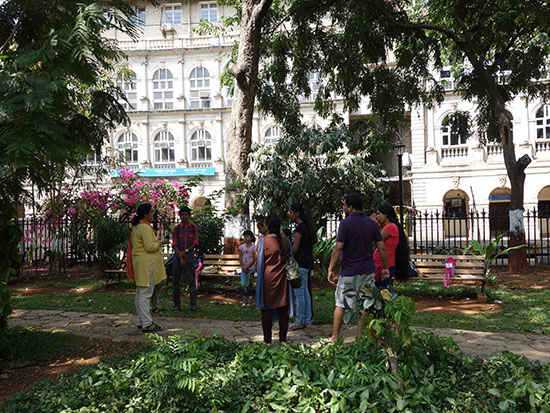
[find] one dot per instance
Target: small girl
(247, 258)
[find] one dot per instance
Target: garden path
(120, 327)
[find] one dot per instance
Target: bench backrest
(227, 262)
(435, 264)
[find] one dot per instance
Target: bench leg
(483, 292)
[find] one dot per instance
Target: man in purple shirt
(357, 234)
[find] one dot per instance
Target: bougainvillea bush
(70, 219)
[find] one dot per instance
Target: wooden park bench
(117, 273)
(468, 268)
(220, 266)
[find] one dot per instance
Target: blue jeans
(303, 299)
(246, 281)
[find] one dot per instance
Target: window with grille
(314, 81)
(163, 90)
(201, 148)
(164, 149)
(199, 82)
(209, 11)
(542, 118)
(127, 82)
(172, 15)
(446, 79)
(272, 135)
(127, 144)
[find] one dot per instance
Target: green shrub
(110, 238)
(217, 375)
(210, 230)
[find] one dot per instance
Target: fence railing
(432, 232)
(43, 238)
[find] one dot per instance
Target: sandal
(297, 327)
(153, 328)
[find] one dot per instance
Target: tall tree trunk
(239, 141)
(517, 261)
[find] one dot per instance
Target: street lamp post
(399, 149)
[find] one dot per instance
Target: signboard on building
(167, 172)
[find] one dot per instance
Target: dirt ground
(18, 378)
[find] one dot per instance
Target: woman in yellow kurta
(147, 264)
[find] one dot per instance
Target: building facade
(180, 115)
(179, 110)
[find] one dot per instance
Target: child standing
(247, 258)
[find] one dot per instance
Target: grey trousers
(143, 301)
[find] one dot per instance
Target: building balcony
(542, 145)
(164, 165)
(456, 152)
(178, 43)
(494, 153)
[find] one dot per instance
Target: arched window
(164, 150)
(272, 135)
(201, 149)
(127, 144)
(200, 202)
(499, 205)
(543, 207)
(127, 82)
(543, 122)
(449, 136)
(455, 214)
(163, 90)
(199, 82)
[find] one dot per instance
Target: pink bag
(450, 264)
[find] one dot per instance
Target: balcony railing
(542, 145)
(454, 152)
(494, 151)
(165, 165)
(180, 43)
(201, 165)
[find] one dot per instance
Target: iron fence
(431, 232)
(43, 238)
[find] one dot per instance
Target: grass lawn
(30, 347)
(526, 311)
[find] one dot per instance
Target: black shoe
(153, 328)
(156, 310)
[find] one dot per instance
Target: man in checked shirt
(185, 238)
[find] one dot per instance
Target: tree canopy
(315, 168)
(58, 103)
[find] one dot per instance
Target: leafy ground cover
(216, 375)
(521, 310)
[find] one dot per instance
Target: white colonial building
(179, 110)
(180, 117)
